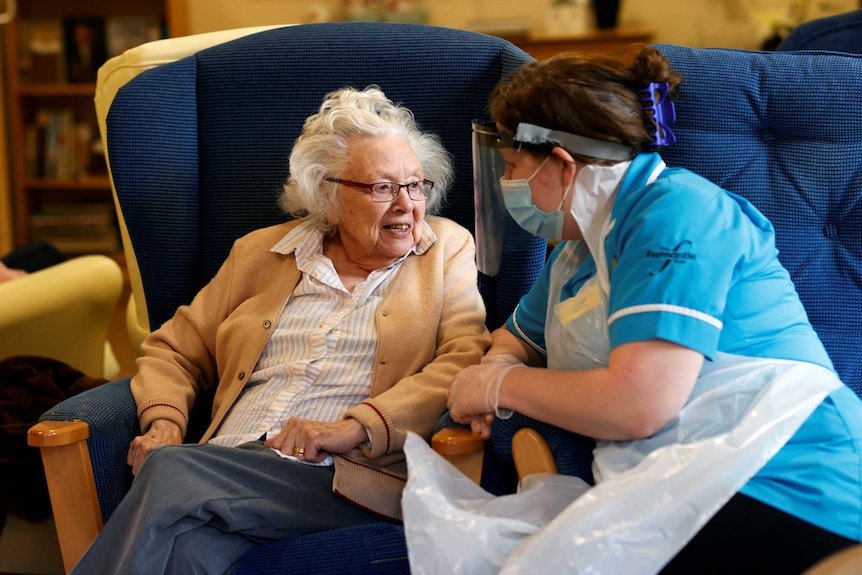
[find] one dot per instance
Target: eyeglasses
(388, 191)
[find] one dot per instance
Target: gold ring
(298, 451)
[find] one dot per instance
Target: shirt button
(267, 324)
(241, 375)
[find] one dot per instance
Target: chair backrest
(839, 33)
(198, 148)
(782, 130)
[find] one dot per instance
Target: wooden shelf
(57, 90)
(55, 155)
(102, 183)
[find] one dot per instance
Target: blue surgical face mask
(518, 197)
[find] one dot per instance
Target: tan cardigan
(430, 326)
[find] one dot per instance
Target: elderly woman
(326, 339)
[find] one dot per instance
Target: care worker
(664, 327)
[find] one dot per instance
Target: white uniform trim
(713, 321)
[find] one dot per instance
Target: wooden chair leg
(71, 485)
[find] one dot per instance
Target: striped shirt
(319, 359)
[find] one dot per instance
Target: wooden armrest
(531, 453)
(57, 433)
(71, 484)
(463, 449)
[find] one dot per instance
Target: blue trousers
(199, 508)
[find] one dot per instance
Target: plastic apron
(653, 495)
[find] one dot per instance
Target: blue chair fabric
(199, 151)
(839, 33)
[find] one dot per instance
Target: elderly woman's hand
(161, 432)
(311, 440)
(480, 424)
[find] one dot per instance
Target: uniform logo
(678, 254)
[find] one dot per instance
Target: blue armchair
(198, 151)
(839, 33)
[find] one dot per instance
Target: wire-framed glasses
(388, 191)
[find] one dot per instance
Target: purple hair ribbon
(658, 113)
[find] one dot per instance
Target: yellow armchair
(62, 312)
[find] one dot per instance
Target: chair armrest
(531, 453)
(62, 312)
(111, 414)
(71, 485)
(84, 442)
(572, 454)
(462, 448)
(465, 450)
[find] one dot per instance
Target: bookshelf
(60, 189)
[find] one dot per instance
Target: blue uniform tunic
(697, 265)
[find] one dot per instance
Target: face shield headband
(573, 143)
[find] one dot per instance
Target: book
(58, 144)
(85, 48)
(83, 150)
(51, 157)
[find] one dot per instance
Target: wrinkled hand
(480, 424)
(474, 395)
(161, 432)
(318, 438)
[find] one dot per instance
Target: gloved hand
(476, 390)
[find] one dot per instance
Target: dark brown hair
(589, 95)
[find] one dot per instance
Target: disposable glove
(477, 388)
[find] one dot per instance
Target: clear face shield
(495, 228)
(488, 168)
(494, 225)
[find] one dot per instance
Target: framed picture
(84, 40)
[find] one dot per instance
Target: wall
(701, 23)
